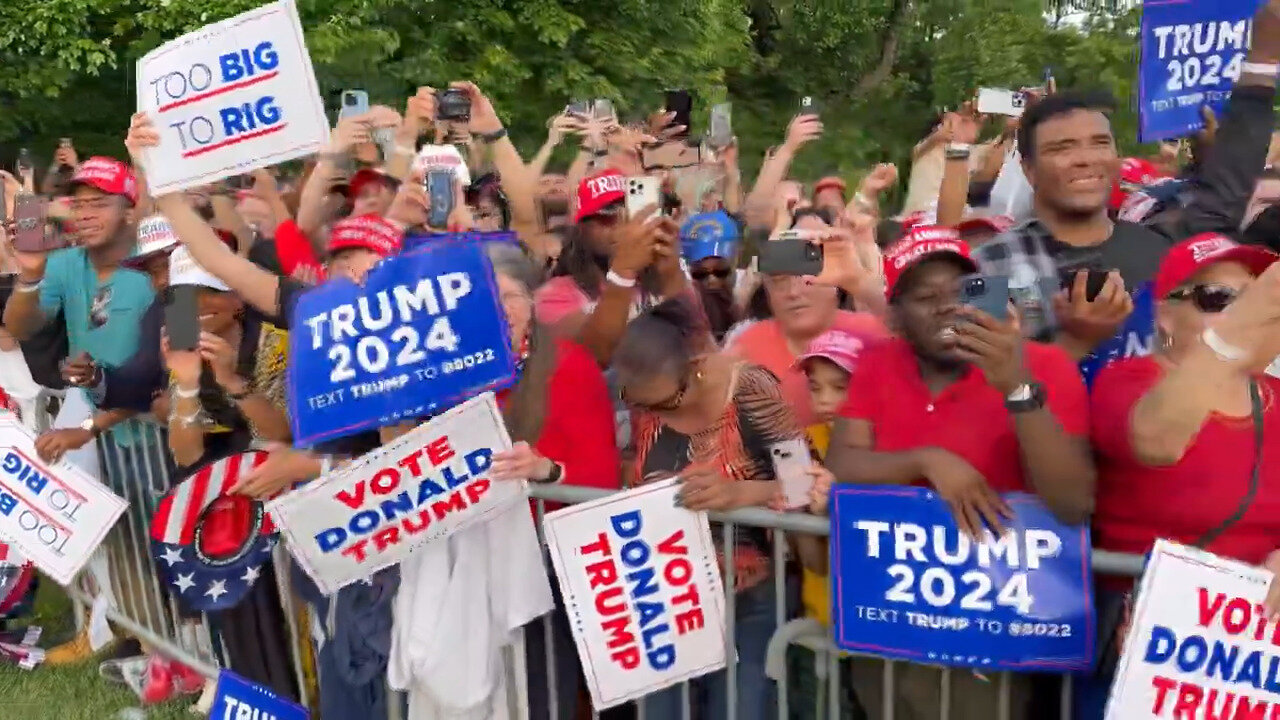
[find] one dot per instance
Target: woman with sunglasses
(1186, 437)
(711, 418)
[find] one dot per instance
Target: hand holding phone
(1093, 281)
(642, 192)
(182, 317)
(680, 104)
(792, 252)
(720, 130)
(32, 232)
(354, 103)
(441, 197)
(988, 293)
(791, 463)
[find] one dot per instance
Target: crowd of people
(1126, 386)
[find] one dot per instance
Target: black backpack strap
(1255, 400)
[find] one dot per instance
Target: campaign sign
(55, 514)
(231, 97)
(642, 588)
(426, 485)
(426, 330)
(1191, 54)
(1199, 643)
(1134, 339)
(908, 585)
(239, 699)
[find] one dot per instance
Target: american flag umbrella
(209, 545)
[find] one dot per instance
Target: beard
(718, 305)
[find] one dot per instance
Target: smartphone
(453, 105)
(791, 253)
(602, 109)
(791, 463)
(182, 317)
(24, 164)
(1093, 283)
(643, 192)
(988, 293)
(579, 108)
(720, 126)
(31, 230)
(680, 102)
(440, 194)
(997, 101)
(809, 106)
(354, 102)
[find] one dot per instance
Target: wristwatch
(90, 427)
(493, 137)
(557, 473)
(1027, 397)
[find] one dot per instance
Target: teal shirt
(104, 319)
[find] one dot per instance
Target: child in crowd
(828, 364)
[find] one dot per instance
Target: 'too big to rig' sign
(231, 97)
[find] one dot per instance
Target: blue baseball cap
(709, 234)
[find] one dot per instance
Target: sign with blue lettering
(426, 331)
(1134, 339)
(907, 585)
(239, 699)
(231, 97)
(1191, 52)
(53, 513)
(642, 588)
(1200, 643)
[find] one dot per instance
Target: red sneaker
(158, 686)
(186, 681)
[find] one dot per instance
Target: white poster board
(426, 485)
(642, 588)
(54, 514)
(1199, 644)
(229, 98)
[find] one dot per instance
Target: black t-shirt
(1135, 251)
(45, 350)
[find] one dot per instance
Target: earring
(1166, 342)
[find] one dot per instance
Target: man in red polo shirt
(959, 401)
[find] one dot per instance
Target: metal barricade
(136, 464)
(827, 658)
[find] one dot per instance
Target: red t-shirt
(1138, 503)
(968, 417)
(577, 431)
(294, 249)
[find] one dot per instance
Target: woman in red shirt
(1186, 437)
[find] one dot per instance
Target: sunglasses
(671, 403)
(703, 273)
(1210, 299)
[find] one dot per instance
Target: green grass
(74, 692)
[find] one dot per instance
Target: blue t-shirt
(103, 319)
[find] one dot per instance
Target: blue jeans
(754, 613)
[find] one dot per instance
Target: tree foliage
(880, 69)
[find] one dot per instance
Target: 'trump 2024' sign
(909, 586)
(231, 97)
(642, 588)
(428, 484)
(425, 330)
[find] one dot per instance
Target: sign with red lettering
(1200, 644)
(55, 514)
(642, 588)
(426, 485)
(231, 97)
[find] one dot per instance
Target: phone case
(603, 109)
(31, 231)
(791, 463)
(988, 293)
(720, 133)
(642, 192)
(440, 196)
(998, 101)
(354, 102)
(790, 254)
(181, 317)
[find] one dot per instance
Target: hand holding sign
(966, 492)
(521, 462)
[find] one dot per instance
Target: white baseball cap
(184, 270)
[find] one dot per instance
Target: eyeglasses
(671, 403)
(1207, 298)
(703, 273)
